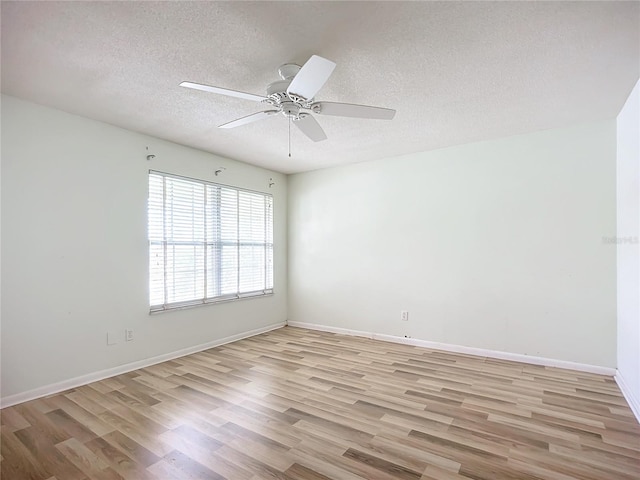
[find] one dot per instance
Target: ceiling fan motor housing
(277, 95)
(278, 90)
(290, 109)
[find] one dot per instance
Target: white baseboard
(128, 367)
(480, 352)
(632, 400)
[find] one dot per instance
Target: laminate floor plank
(308, 405)
(18, 460)
(47, 455)
(87, 461)
(124, 465)
(11, 420)
(131, 448)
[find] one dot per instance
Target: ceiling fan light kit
(293, 96)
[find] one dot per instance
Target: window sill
(187, 306)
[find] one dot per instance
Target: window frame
(217, 272)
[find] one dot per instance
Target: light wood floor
(300, 404)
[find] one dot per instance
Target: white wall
(628, 209)
(74, 248)
(495, 245)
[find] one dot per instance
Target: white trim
(481, 352)
(127, 367)
(628, 394)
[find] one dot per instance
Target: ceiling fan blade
(223, 91)
(350, 110)
(254, 117)
(311, 77)
(311, 128)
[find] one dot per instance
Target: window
(207, 242)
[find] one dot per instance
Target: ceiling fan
(293, 96)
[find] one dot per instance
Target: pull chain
(289, 137)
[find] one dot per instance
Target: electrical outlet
(128, 335)
(404, 316)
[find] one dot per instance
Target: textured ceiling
(456, 72)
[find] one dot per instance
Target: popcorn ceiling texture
(456, 72)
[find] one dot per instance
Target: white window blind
(207, 242)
